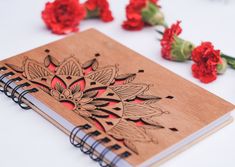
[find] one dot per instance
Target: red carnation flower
(206, 61)
(173, 47)
(168, 38)
(134, 22)
(63, 16)
(142, 12)
(98, 8)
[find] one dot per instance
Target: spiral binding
(90, 150)
(5, 88)
(4, 76)
(74, 140)
(12, 94)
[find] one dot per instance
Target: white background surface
(26, 139)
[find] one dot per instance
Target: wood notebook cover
(90, 78)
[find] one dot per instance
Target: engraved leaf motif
(91, 63)
(116, 136)
(95, 65)
(47, 61)
(85, 100)
(91, 94)
(83, 113)
(131, 146)
(104, 76)
(99, 113)
(128, 131)
(50, 59)
(55, 94)
(24, 75)
(99, 103)
(134, 111)
(24, 60)
(77, 95)
(149, 99)
(123, 76)
(75, 89)
(129, 91)
(70, 68)
(126, 77)
(89, 107)
(59, 87)
(130, 79)
(150, 121)
(54, 61)
(88, 63)
(146, 127)
(16, 68)
(34, 70)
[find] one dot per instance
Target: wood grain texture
(158, 108)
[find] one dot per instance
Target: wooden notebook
(118, 107)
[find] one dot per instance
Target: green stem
(230, 60)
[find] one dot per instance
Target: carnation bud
(221, 68)
(98, 9)
(92, 13)
(152, 15)
(181, 49)
(232, 64)
(230, 60)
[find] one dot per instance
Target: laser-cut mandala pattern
(110, 101)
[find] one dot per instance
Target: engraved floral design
(63, 94)
(109, 100)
